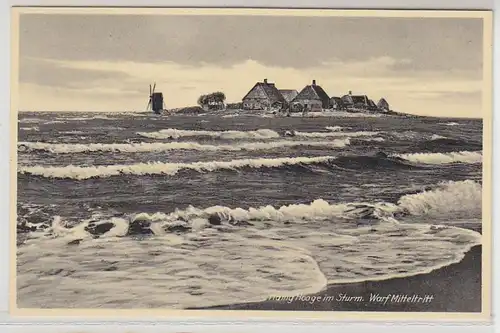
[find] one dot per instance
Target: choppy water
(114, 209)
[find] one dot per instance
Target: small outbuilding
(383, 105)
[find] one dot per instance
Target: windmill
(155, 103)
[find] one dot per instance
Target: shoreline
(133, 112)
(452, 288)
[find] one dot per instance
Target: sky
(427, 66)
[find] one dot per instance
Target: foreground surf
(308, 259)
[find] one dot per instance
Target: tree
(202, 100)
(214, 100)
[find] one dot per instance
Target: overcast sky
(429, 66)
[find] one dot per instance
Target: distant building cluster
(266, 96)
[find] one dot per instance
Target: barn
(263, 96)
(312, 98)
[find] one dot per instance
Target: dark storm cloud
(299, 42)
(47, 73)
(51, 73)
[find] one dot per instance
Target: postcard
(251, 162)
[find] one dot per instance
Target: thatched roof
(269, 92)
(336, 101)
(314, 92)
(382, 104)
(356, 99)
(288, 94)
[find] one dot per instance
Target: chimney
(314, 82)
(350, 93)
(265, 80)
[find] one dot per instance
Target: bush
(189, 110)
(234, 106)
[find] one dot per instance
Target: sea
(135, 210)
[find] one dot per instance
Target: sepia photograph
(249, 160)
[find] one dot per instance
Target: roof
(271, 92)
(355, 99)
(382, 103)
(336, 101)
(288, 94)
(313, 91)
(362, 99)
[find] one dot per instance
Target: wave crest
(173, 133)
(160, 168)
(462, 197)
(62, 148)
(444, 158)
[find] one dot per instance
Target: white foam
(462, 197)
(451, 124)
(445, 158)
(157, 168)
(377, 139)
(55, 122)
(336, 128)
(172, 133)
(72, 132)
(63, 148)
(30, 120)
(33, 128)
(318, 210)
(333, 134)
(437, 137)
(227, 265)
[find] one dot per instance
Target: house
(336, 103)
(288, 94)
(372, 106)
(263, 96)
(383, 105)
(358, 102)
(311, 98)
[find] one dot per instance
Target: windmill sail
(155, 103)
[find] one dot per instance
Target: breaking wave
(33, 128)
(336, 128)
(159, 168)
(172, 133)
(63, 148)
(437, 137)
(445, 158)
(464, 197)
(189, 251)
(29, 120)
(332, 134)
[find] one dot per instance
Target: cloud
(435, 44)
(50, 73)
(126, 83)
